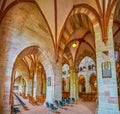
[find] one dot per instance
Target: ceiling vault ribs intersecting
(75, 21)
(81, 40)
(105, 10)
(26, 63)
(32, 59)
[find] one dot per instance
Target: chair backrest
(56, 102)
(67, 101)
(73, 99)
(61, 103)
(63, 100)
(47, 104)
(52, 106)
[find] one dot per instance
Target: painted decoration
(105, 55)
(106, 69)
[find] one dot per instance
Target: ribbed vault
(78, 28)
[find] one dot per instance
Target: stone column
(73, 84)
(5, 79)
(44, 84)
(34, 85)
(54, 83)
(77, 86)
(67, 87)
(107, 83)
(57, 82)
(26, 93)
(20, 87)
(5, 85)
(39, 82)
(30, 87)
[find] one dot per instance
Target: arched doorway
(33, 79)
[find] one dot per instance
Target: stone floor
(81, 107)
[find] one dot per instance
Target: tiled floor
(79, 108)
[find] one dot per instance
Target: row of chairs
(60, 104)
(51, 106)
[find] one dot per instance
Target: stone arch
(65, 35)
(14, 42)
(44, 58)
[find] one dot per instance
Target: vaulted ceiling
(56, 27)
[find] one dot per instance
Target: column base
(104, 111)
